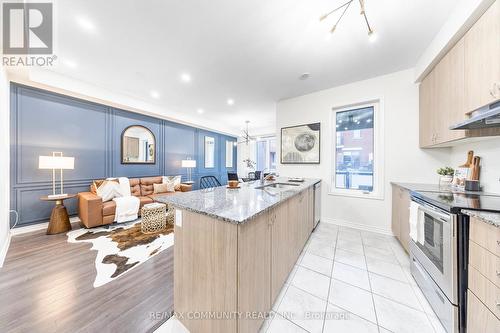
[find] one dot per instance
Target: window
(229, 153)
(357, 157)
(266, 154)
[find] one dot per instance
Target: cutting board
(463, 171)
(474, 169)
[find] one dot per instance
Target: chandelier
(344, 9)
(246, 135)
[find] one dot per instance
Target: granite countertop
(236, 205)
(422, 187)
(488, 217)
(415, 187)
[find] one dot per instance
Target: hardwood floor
(46, 286)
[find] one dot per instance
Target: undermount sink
(283, 186)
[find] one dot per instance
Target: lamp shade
(56, 162)
(188, 163)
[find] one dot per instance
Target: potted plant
(446, 175)
(249, 163)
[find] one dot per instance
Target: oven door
(436, 249)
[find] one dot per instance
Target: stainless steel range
(440, 253)
(434, 260)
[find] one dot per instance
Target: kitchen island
(234, 249)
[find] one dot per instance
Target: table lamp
(54, 162)
(189, 164)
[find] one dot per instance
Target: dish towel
(127, 208)
(421, 229)
(414, 221)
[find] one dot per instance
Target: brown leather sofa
(93, 212)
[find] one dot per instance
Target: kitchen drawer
(479, 318)
(486, 291)
(485, 262)
(486, 235)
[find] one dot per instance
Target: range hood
(485, 117)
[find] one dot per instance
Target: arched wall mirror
(138, 145)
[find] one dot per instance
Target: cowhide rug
(122, 247)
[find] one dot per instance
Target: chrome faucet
(262, 176)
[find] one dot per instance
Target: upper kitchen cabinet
(466, 78)
(427, 102)
(482, 60)
(441, 99)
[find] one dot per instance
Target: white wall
(404, 160)
(463, 16)
(246, 151)
(489, 151)
(4, 165)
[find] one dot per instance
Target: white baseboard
(29, 228)
(358, 226)
(4, 249)
(38, 226)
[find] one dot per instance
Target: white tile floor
(348, 280)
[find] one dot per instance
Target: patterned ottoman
(154, 217)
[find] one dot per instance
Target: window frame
(378, 150)
(267, 139)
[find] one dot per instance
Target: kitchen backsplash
(489, 151)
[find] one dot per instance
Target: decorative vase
(445, 180)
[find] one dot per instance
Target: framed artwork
(301, 144)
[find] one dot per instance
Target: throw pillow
(162, 188)
(108, 190)
(170, 184)
(176, 179)
(95, 185)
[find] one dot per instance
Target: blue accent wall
(43, 122)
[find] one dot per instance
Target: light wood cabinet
(467, 77)
(205, 250)
(482, 60)
(441, 100)
(292, 223)
(485, 262)
(304, 221)
(485, 290)
(483, 311)
(427, 102)
(485, 235)
(281, 256)
(224, 268)
(401, 215)
(479, 318)
(254, 271)
(450, 95)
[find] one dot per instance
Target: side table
(59, 219)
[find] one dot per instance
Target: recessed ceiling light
(304, 76)
(200, 111)
(230, 101)
(85, 24)
(155, 94)
(69, 63)
(185, 77)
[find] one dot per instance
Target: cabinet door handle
(493, 90)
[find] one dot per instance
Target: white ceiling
(250, 51)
